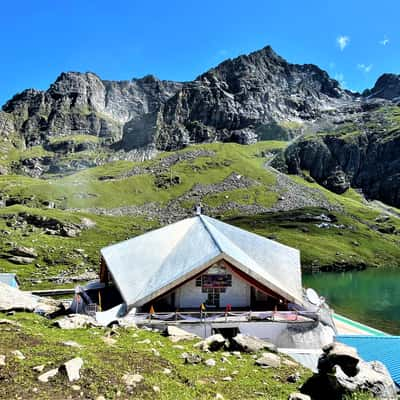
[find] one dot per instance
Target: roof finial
(198, 209)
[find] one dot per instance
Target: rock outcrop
(342, 372)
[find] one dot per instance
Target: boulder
(48, 375)
(251, 344)
(24, 252)
(72, 368)
(339, 354)
(342, 372)
(176, 334)
(21, 260)
(212, 343)
(76, 321)
(269, 360)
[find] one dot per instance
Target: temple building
(201, 260)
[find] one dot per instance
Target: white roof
(151, 264)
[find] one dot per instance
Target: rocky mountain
(236, 101)
(386, 87)
(343, 139)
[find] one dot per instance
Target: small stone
(18, 354)
(178, 347)
(76, 388)
(298, 396)
(47, 375)
(38, 368)
(71, 343)
(210, 362)
(155, 352)
(156, 389)
(2, 360)
(225, 360)
(132, 379)
(145, 341)
(108, 340)
(100, 398)
(166, 371)
(219, 396)
(227, 379)
(293, 378)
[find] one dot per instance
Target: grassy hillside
(233, 182)
(131, 351)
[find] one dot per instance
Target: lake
(371, 296)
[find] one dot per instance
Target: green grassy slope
(117, 196)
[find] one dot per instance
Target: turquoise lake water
(371, 296)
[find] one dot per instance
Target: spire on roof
(198, 209)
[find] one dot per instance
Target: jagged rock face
(233, 101)
(81, 103)
(386, 87)
(369, 161)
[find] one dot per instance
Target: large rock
(342, 372)
(339, 354)
(212, 343)
(12, 299)
(176, 334)
(76, 321)
(269, 360)
(21, 260)
(24, 252)
(72, 368)
(251, 344)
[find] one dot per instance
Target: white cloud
(364, 67)
(385, 41)
(340, 78)
(342, 42)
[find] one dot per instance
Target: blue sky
(355, 41)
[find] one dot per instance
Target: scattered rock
(18, 354)
(71, 343)
(38, 368)
(298, 396)
(269, 360)
(293, 378)
(132, 379)
(210, 362)
(48, 375)
(212, 343)
(76, 321)
(251, 344)
(72, 368)
(156, 389)
(191, 358)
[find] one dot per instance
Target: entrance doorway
(213, 295)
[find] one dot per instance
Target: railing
(231, 316)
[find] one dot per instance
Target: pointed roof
(151, 264)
